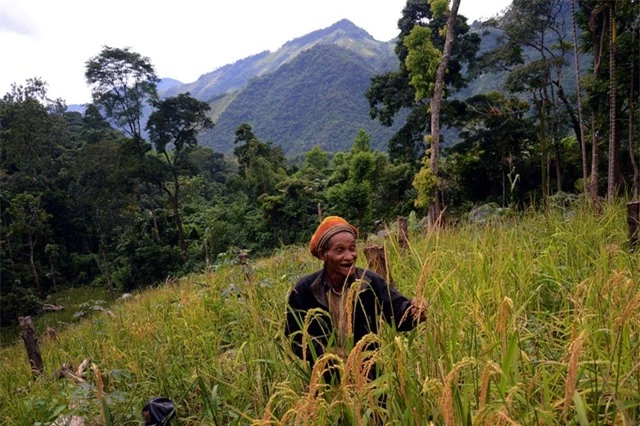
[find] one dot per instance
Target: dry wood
(403, 232)
(633, 221)
(377, 261)
(67, 372)
(47, 307)
(51, 333)
(28, 335)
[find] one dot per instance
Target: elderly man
(327, 293)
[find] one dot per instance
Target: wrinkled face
(340, 256)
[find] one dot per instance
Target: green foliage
(424, 183)
(17, 301)
(418, 46)
(439, 7)
(177, 121)
(323, 86)
(422, 61)
(121, 82)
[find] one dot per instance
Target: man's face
(340, 256)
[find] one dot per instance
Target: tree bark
(633, 222)
(632, 156)
(403, 232)
(597, 60)
(32, 264)
(377, 261)
(436, 101)
(28, 336)
(576, 57)
(613, 151)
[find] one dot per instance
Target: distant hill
(309, 92)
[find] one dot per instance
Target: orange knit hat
(329, 227)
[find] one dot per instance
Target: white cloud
(13, 19)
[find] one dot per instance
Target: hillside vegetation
(534, 319)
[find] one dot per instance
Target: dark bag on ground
(158, 412)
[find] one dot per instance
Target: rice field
(533, 320)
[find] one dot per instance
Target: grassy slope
(535, 321)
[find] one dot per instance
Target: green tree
(32, 131)
(350, 192)
(495, 160)
(421, 63)
(30, 227)
(391, 93)
(261, 165)
(177, 122)
(532, 48)
(122, 82)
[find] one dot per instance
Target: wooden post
(633, 221)
(403, 232)
(28, 335)
(377, 261)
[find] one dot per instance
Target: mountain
(166, 84)
(309, 92)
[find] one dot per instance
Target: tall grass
(533, 320)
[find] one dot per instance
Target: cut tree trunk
(377, 261)
(403, 232)
(633, 221)
(28, 335)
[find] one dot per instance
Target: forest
(102, 200)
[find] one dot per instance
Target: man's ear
(321, 255)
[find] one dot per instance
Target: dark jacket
(375, 298)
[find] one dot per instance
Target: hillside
(267, 91)
(528, 317)
(235, 76)
(317, 99)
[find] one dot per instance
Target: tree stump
(633, 221)
(28, 335)
(377, 261)
(403, 232)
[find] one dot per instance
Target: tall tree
(576, 61)
(261, 164)
(436, 100)
(122, 82)
(612, 172)
(30, 226)
(392, 92)
(177, 122)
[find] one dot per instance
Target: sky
(52, 39)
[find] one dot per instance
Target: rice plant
(533, 319)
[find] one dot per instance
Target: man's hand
(419, 307)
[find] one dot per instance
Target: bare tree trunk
(177, 219)
(377, 261)
(632, 156)
(593, 190)
(576, 57)
(544, 154)
(207, 260)
(633, 222)
(28, 336)
(403, 232)
(597, 60)
(436, 101)
(558, 165)
(32, 264)
(613, 151)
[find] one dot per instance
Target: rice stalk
(575, 349)
(446, 401)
